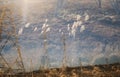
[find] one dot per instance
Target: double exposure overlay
(60, 38)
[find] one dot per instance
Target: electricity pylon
(9, 34)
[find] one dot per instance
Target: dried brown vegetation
(111, 70)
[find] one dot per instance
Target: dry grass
(111, 70)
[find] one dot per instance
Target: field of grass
(98, 34)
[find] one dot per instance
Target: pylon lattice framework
(8, 35)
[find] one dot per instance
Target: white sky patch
(47, 25)
(82, 28)
(44, 25)
(80, 23)
(48, 29)
(62, 33)
(59, 30)
(27, 25)
(35, 29)
(68, 27)
(42, 32)
(78, 17)
(45, 40)
(46, 20)
(87, 17)
(74, 27)
(73, 32)
(20, 31)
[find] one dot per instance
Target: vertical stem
(80, 65)
(32, 68)
(45, 51)
(64, 49)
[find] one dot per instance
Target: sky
(86, 39)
